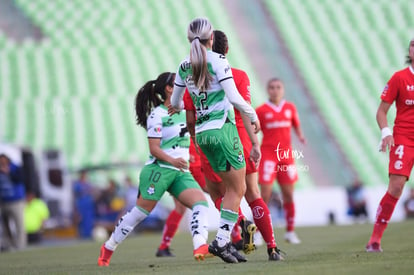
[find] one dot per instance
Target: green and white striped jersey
(172, 130)
(212, 106)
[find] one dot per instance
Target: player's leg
(385, 210)
(261, 215)
(147, 198)
(170, 228)
(401, 160)
(189, 193)
(124, 227)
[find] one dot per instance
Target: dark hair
(272, 80)
(220, 44)
(408, 59)
(151, 95)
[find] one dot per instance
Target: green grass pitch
(324, 250)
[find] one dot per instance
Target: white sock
(198, 224)
(228, 219)
(125, 226)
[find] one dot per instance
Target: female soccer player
(400, 88)
(277, 116)
(166, 169)
(261, 214)
(208, 77)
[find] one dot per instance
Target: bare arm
(191, 122)
(158, 153)
(255, 153)
(299, 133)
(387, 139)
(177, 97)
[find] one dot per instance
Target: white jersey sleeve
(154, 125)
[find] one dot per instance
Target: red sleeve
(295, 117)
(390, 92)
(188, 101)
(242, 82)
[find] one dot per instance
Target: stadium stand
(338, 37)
(74, 88)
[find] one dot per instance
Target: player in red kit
(261, 214)
(278, 116)
(399, 89)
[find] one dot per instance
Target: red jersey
(276, 122)
(400, 88)
(242, 82)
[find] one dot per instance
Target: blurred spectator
(84, 212)
(36, 213)
(276, 208)
(130, 192)
(409, 205)
(12, 201)
(357, 201)
(109, 205)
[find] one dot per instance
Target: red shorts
(195, 166)
(247, 147)
(198, 175)
(401, 160)
(271, 168)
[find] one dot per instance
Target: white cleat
(292, 238)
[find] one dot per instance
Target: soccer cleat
(164, 252)
(248, 230)
(201, 253)
(292, 238)
(233, 250)
(373, 247)
(222, 252)
(274, 254)
(104, 256)
(238, 245)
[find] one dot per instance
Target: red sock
(235, 233)
(217, 203)
(263, 220)
(170, 228)
(289, 208)
(384, 212)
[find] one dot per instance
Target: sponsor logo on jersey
(398, 165)
(409, 102)
(268, 115)
(410, 88)
(278, 124)
(384, 92)
(288, 113)
(227, 69)
(240, 158)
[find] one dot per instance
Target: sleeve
(243, 86)
(154, 126)
(390, 92)
(179, 89)
(295, 117)
(188, 101)
(237, 100)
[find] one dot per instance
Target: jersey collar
(275, 107)
(411, 69)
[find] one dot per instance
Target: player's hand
(256, 126)
(385, 143)
(180, 163)
(302, 140)
(172, 110)
(255, 155)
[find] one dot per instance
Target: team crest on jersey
(157, 130)
(410, 88)
(398, 165)
(288, 113)
(151, 189)
(240, 158)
